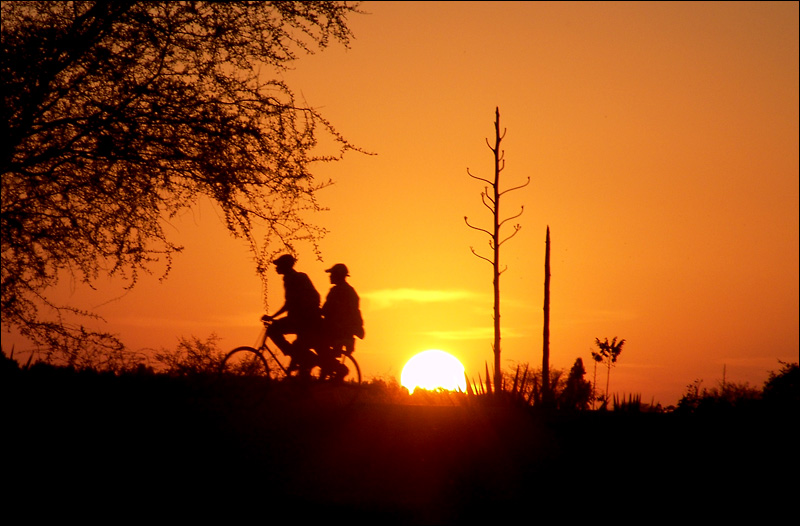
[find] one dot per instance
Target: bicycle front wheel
(245, 362)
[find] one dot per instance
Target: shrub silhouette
(192, 356)
(782, 389)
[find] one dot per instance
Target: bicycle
(335, 377)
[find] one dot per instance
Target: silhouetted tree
(118, 115)
(577, 392)
(607, 353)
(491, 200)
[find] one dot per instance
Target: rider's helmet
(338, 269)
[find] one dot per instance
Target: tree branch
(476, 228)
(481, 257)
(491, 204)
(517, 228)
(516, 187)
(479, 178)
(522, 209)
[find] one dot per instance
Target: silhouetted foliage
(381, 390)
(727, 396)
(570, 392)
(577, 392)
(389, 459)
(631, 404)
(607, 353)
(8, 365)
(192, 356)
(119, 115)
(781, 393)
(782, 389)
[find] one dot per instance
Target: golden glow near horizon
(432, 370)
(661, 139)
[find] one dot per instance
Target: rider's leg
(277, 332)
(327, 360)
(303, 357)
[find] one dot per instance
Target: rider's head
(284, 263)
(338, 272)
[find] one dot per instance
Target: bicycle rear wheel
(353, 375)
(339, 389)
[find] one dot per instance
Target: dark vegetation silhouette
(118, 116)
(191, 357)
(780, 393)
(523, 386)
(165, 439)
(490, 197)
(607, 353)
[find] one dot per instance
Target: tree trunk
(546, 394)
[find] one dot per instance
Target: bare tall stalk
(546, 392)
(491, 200)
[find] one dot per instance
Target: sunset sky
(661, 140)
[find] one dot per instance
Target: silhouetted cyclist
(341, 313)
(303, 315)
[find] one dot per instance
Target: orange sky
(661, 140)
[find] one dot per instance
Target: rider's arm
(280, 311)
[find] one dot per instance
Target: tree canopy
(118, 115)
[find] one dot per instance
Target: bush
(725, 397)
(782, 389)
(192, 356)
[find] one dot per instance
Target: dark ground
(101, 448)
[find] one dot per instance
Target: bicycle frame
(261, 346)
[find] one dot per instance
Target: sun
(433, 369)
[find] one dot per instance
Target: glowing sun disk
(432, 370)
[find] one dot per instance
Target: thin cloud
(474, 333)
(381, 299)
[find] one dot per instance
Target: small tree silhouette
(492, 202)
(577, 392)
(607, 353)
